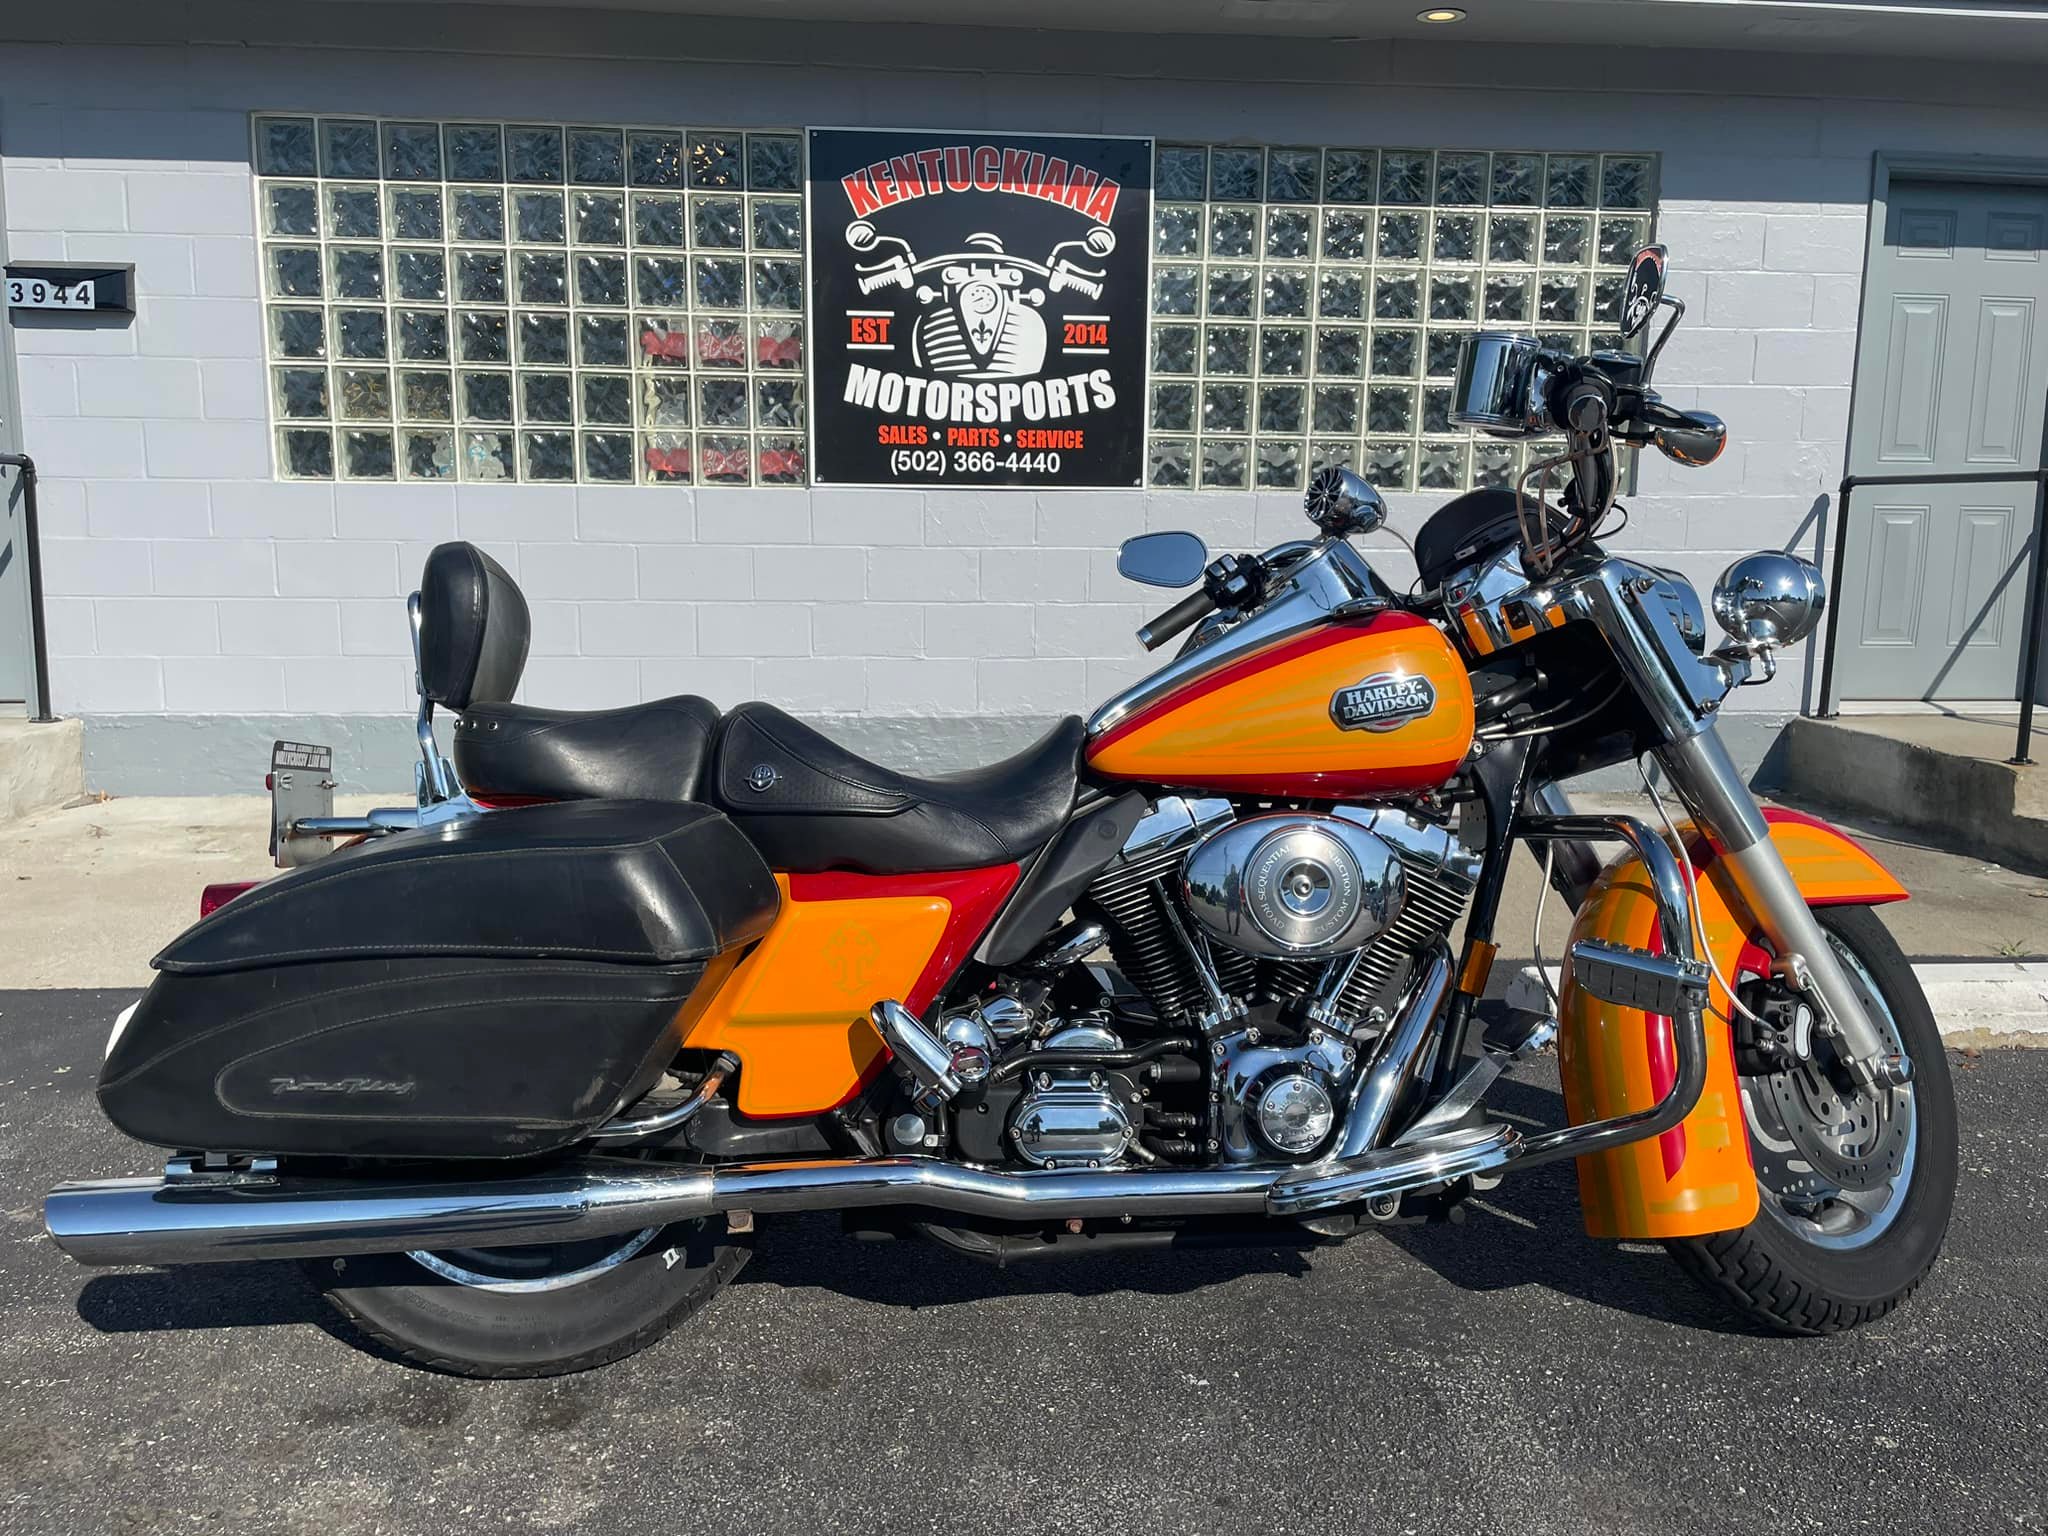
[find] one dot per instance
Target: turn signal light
(213, 897)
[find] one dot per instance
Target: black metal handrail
(2037, 581)
(33, 546)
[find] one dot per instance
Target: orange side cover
(795, 1011)
(1697, 1177)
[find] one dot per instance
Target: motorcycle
(515, 1072)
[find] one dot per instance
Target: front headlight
(1770, 598)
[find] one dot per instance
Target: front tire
(533, 1311)
(1810, 1264)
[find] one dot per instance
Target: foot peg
(1635, 978)
(923, 1056)
(1395, 1170)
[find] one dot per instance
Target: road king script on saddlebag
(978, 308)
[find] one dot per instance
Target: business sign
(978, 307)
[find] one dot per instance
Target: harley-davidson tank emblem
(1385, 701)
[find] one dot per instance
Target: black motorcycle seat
(653, 751)
(809, 804)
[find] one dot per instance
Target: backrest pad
(474, 628)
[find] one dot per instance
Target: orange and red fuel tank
(1372, 705)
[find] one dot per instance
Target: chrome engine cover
(1289, 885)
(1075, 1117)
(1250, 1065)
(1071, 1119)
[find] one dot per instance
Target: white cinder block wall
(196, 606)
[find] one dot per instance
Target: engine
(1290, 905)
(1259, 953)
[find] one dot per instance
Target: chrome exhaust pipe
(214, 1219)
(224, 1219)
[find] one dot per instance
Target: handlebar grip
(1190, 610)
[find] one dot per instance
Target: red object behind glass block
(779, 351)
(665, 346)
(725, 464)
(669, 461)
(721, 348)
(782, 464)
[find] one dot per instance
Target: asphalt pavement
(1508, 1375)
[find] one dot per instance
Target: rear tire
(1786, 1271)
(539, 1311)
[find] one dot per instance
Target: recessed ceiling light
(1441, 15)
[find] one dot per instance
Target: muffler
(213, 1219)
(218, 1219)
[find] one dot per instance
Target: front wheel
(533, 1311)
(1855, 1184)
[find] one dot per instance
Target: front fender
(1697, 1177)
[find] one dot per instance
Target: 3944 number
(41, 293)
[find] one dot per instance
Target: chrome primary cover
(1288, 886)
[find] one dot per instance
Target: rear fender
(1697, 1177)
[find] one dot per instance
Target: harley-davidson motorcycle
(516, 1072)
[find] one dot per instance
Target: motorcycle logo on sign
(1385, 701)
(978, 308)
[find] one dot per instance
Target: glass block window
(1308, 302)
(551, 302)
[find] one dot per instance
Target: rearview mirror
(1162, 559)
(1644, 290)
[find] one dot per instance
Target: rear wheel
(1855, 1184)
(534, 1311)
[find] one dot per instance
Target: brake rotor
(1823, 1140)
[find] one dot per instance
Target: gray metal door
(15, 665)
(1951, 377)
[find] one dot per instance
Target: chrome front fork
(1707, 779)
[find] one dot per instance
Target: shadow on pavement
(1529, 1231)
(197, 1296)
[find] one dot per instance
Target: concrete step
(40, 765)
(1941, 775)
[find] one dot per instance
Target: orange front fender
(1696, 1177)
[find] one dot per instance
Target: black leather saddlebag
(496, 987)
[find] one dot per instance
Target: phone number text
(937, 461)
